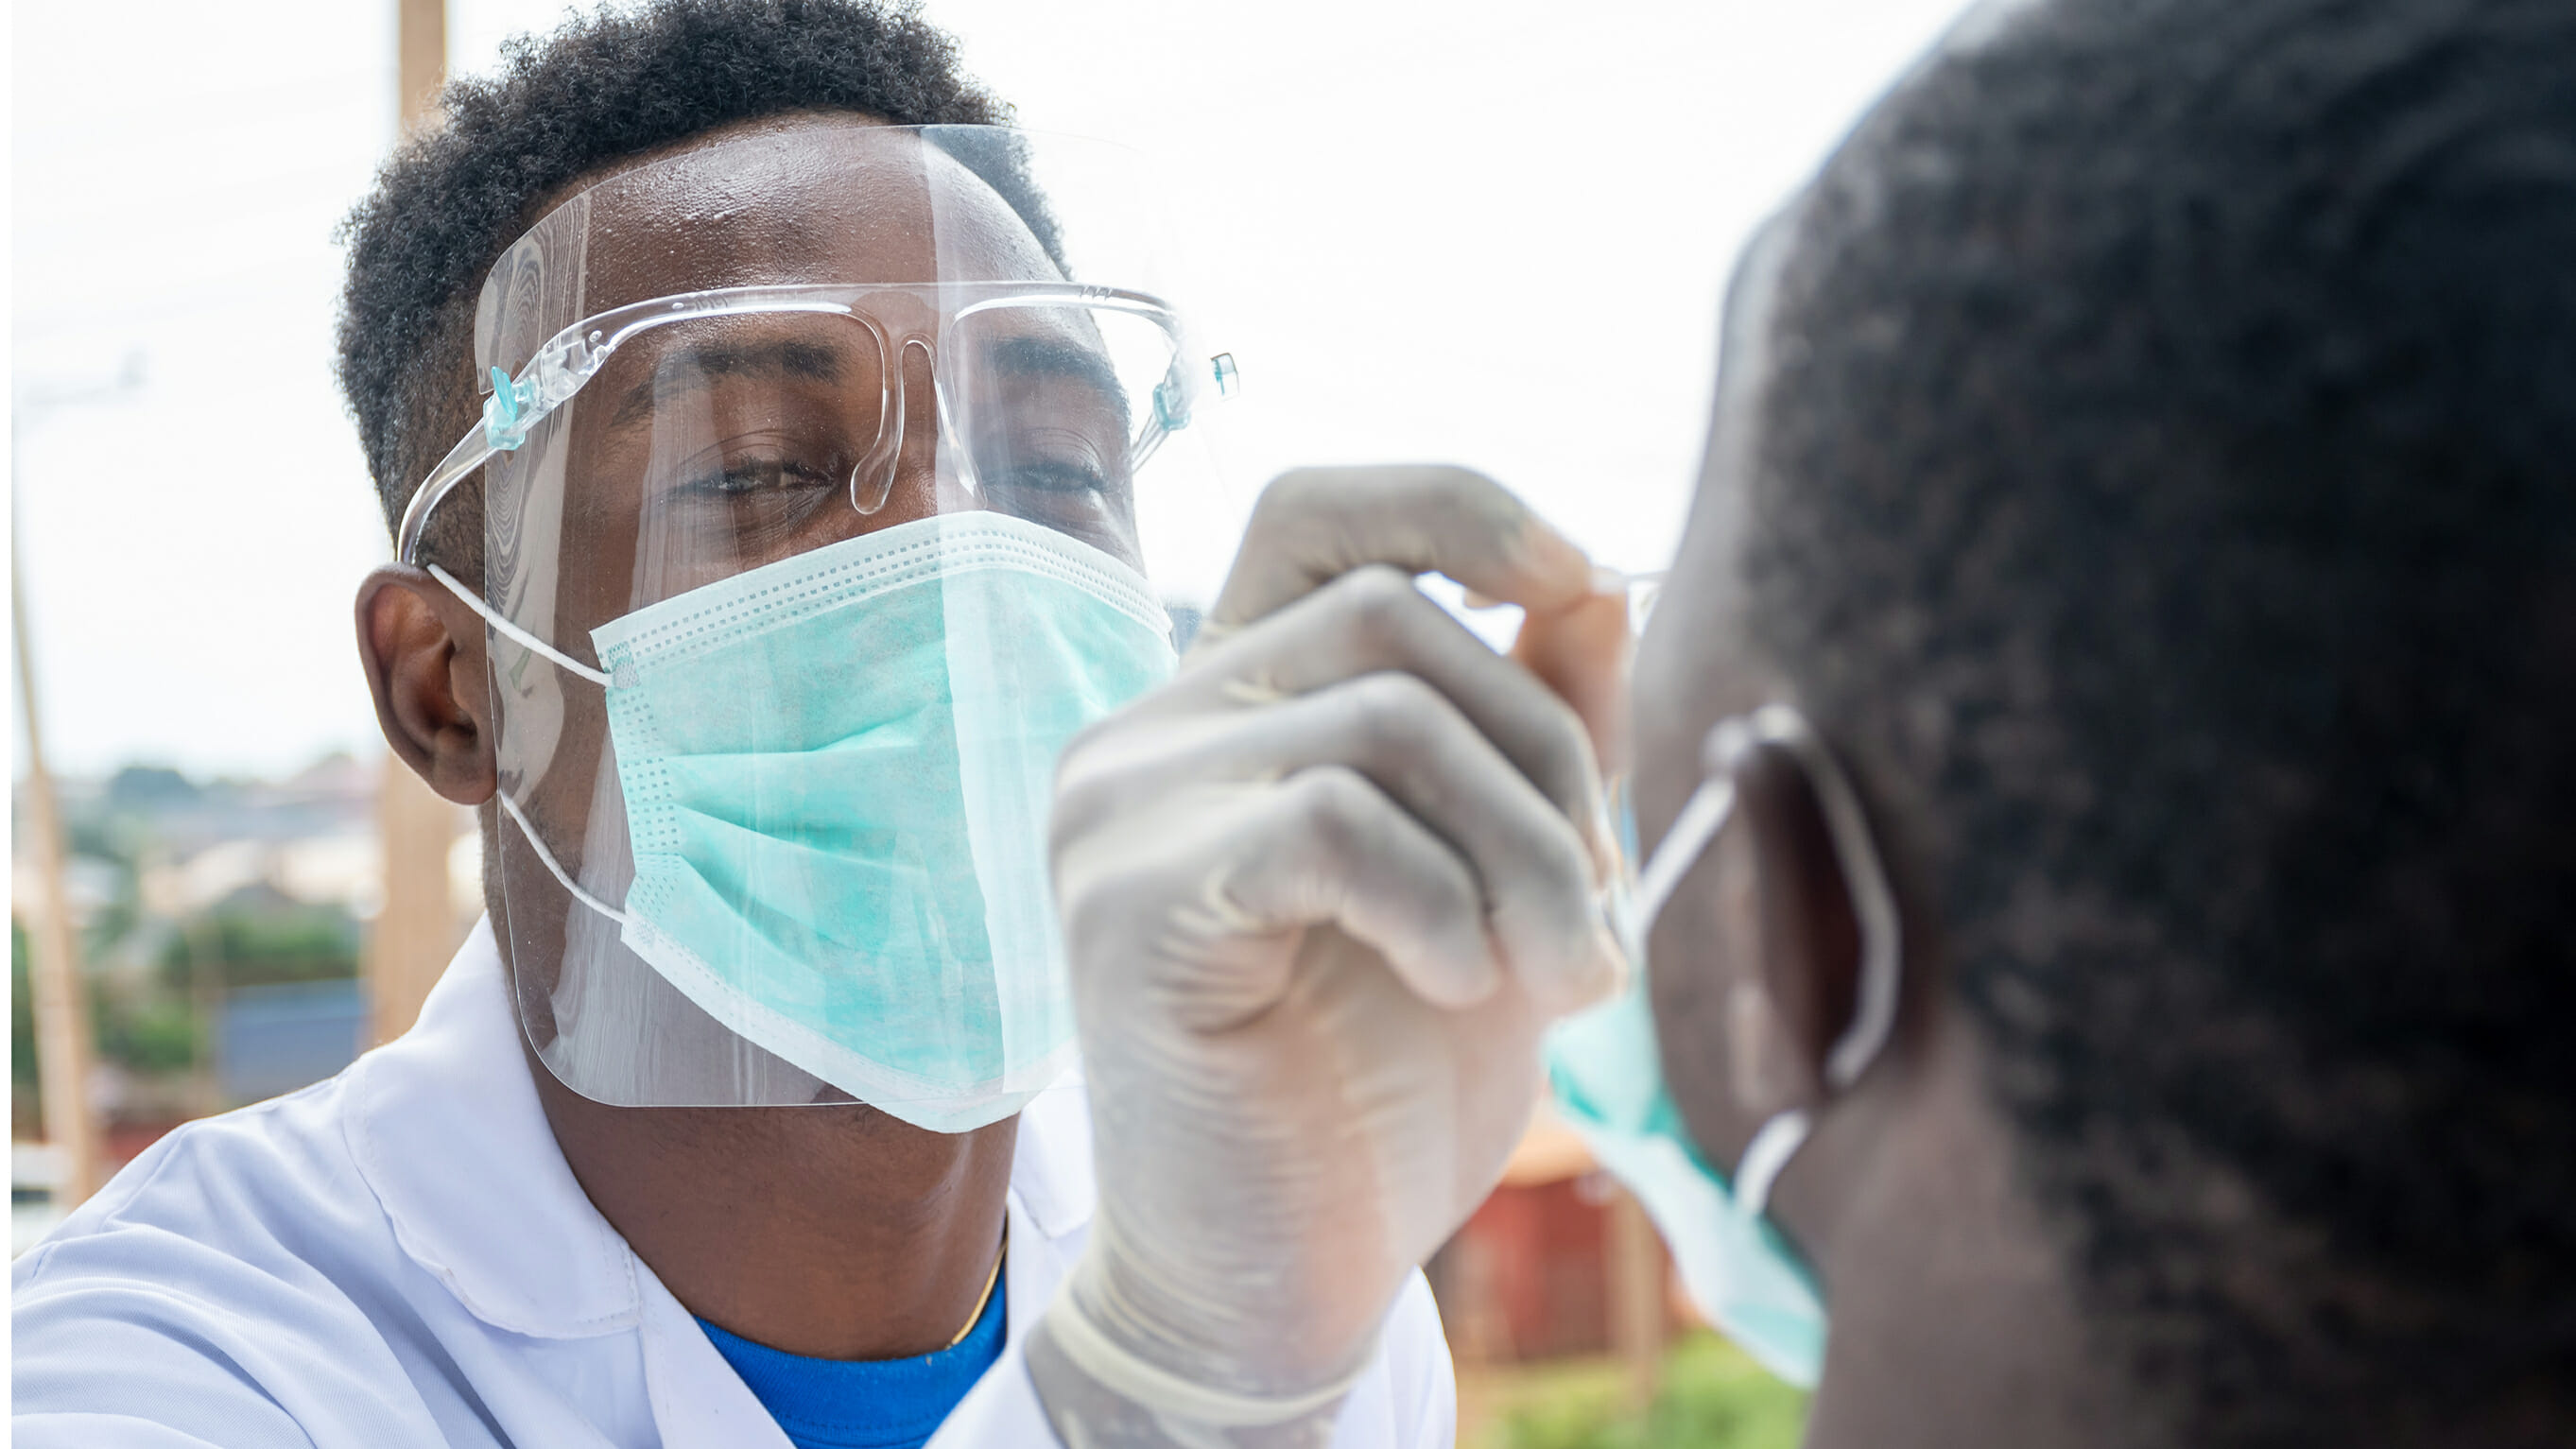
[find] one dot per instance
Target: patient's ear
(1808, 986)
(1755, 961)
(422, 649)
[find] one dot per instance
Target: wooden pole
(415, 928)
(54, 975)
(420, 44)
(206, 1002)
(1636, 1294)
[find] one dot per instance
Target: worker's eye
(748, 474)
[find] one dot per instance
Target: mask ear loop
(554, 867)
(1873, 908)
(509, 806)
(1703, 816)
(514, 633)
(1864, 877)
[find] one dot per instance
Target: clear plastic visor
(821, 475)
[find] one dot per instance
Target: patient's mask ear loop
(526, 640)
(1702, 819)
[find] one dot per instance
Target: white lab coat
(400, 1257)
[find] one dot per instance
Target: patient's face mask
(1606, 1074)
(822, 473)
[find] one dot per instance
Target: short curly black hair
(2166, 487)
(608, 85)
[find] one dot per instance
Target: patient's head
(2148, 454)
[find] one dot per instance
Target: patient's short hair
(2167, 486)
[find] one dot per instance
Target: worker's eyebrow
(687, 369)
(1048, 357)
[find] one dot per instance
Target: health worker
(775, 449)
(2104, 770)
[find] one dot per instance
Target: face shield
(821, 474)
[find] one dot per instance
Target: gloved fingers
(1374, 620)
(1213, 877)
(1533, 869)
(1313, 525)
(1329, 848)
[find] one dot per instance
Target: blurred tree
(255, 939)
(1712, 1397)
(147, 1035)
(150, 790)
(26, 1106)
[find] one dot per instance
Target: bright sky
(1487, 231)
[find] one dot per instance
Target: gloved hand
(1320, 893)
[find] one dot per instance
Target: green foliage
(255, 946)
(156, 1031)
(1712, 1397)
(26, 1110)
(152, 1034)
(149, 1023)
(150, 790)
(91, 833)
(111, 922)
(149, 1036)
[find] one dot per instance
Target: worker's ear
(1757, 961)
(423, 652)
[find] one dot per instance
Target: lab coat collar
(445, 1127)
(446, 1130)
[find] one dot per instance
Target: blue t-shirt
(827, 1403)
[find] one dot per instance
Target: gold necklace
(986, 1296)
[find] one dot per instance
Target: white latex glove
(1320, 893)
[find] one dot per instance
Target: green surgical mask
(837, 770)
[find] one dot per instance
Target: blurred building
(222, 924)
(1557, 1263)
(274, 1038)
(35, 1178)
